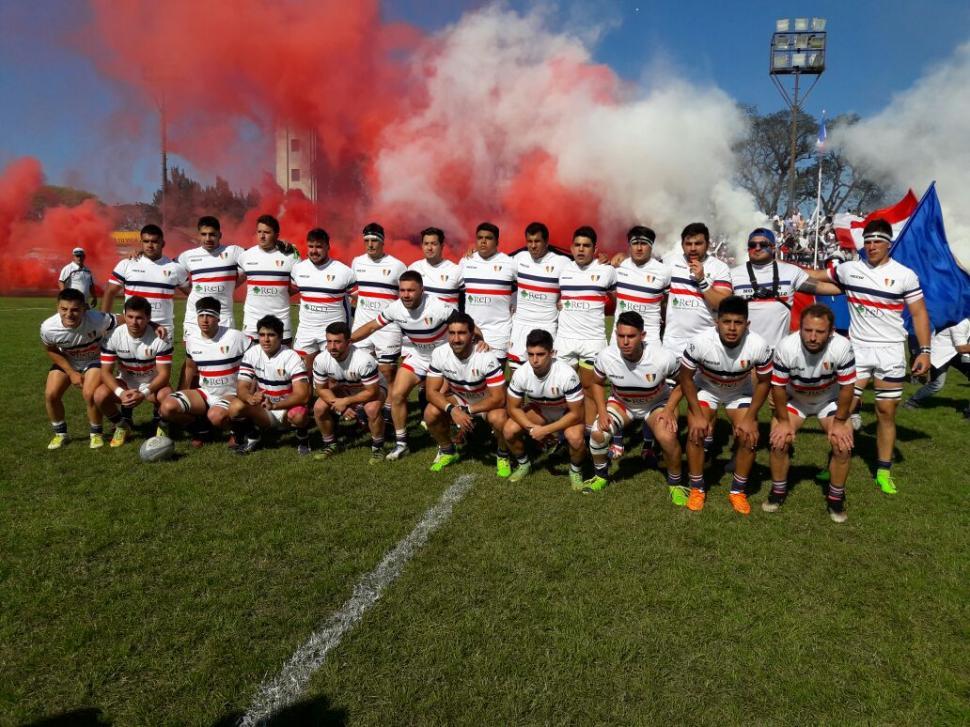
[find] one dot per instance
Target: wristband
(466, 409)
(145, 389)
(924, 349)
(704, 284)
(449, 407)
(841, 419)
(119, 390)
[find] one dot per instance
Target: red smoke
(32, 253)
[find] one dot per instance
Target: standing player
(698, 283)
(272, 390)
(877, 290)
(950, 347)
(814, 373)
(555, 406)
(347, 381)
(326, 286)
(716, 371)
(464, 384)
(377, 274)
(212, 354)
(77, 275)
(213, 273)
(152, 276)
(422, 319)
(144, 361)
(72, 340)
(637, 371)
(489, 277)
(442, 277)
(267, 269)
(769, 287)
(537, 270)
(586, 286)
(641, 282)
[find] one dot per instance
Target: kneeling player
(814, 376)
(555, 404)
(145, 367)
(72, 339)
(212, 354)
(464, 383)
(272, 391)
(638, 373)
(716, 371)
(347, 381)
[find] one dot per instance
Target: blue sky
(57, 108)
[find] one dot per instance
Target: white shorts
(637, 413)
(739, 398)
(548, 414)
(414, 362)
(497, 338)
(676, 346)
(213, 401)
(309, 341)
(521, 331)
(885, 361)
(575, 351)
(278, 416)
(820, 409)
(384, 344)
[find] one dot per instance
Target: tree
(187, 199)
(845, 187)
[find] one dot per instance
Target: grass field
(135, 594)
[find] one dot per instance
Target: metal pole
(818, 209)
(164, 134)
(794, 144)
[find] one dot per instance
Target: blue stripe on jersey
(489, 281)
(271, 273)
(368, 283)
(145, 284)
(870, 291)
(332, 291)
(220, 269)
(217, 362)
(641, 288)
(539, 278)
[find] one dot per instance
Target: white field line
(285, 688)
(17, 310)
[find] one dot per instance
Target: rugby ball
(156, 449)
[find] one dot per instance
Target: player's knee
(218, 416)
(321, 409)
(842, 456)
(575, 438)
(511, 430)
(297, 416)
(432, 413)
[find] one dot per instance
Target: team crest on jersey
(427, 320)
(826, 365)
(476, 372)
(166, 273)
(224, 349)
(224, 254)
(651, 278)
(555, 391)
(550, 268)
(497, 268)
(330, 278)
(650, 377)
(279, 372)
(744, 363)
(279, 263)
(443, 277)
(888, 281)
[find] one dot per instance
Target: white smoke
(501, 86)
(922, 135)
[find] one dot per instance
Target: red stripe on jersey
(146, 294)
(137, 369)
(594, 298)
(383, 296)
(637, 299)
(280, 283)
(319, 299)
(778, 381)
(537, 288)
(720, 380)
(874, 303)
(847, 378)
(722, 284)
(218, 372)
(812, 387)
(214, 279)
(685, 291)
(487, 291)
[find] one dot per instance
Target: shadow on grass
(316, 711)
(84, 717)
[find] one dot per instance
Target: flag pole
(818, 209)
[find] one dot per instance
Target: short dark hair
(487, 227)
(271, 322)
(270, 221)
(413, 275)
(71, 294)
(209, 221)
(733, 304)
(537, 228)
(436, 231)
(878, 225)
(152, 229)
(641, 231)
(373, 228)
(539, 337)
(338, 328)
(318, 234)
(696, 228)
(630, 318)
(818, 310)
(461, 318)
(585, 231)
(139, 305)
(208, 303)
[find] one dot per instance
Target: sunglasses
(759, 245)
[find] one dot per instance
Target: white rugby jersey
(585, 293)
(425, 326)
(274, 376)
(876, 297)
(211, 274)
(558, 387)
(217, 359)
(537, 284)
(357, 370)
(637, 384)
(77, 277)
(943, 346)
(813, 377)
(641, 288)
(719, 368)
(325, 292)
(770, 317)
(267, 287)
(155, 280)
(488, 291)
(81, 346)
(442, 281)
(376, 285)
(470, 378)
(687, 311)
(136, 357)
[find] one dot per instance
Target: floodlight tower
(797, 49)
